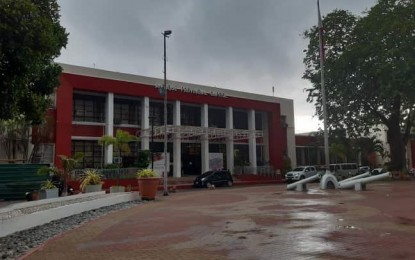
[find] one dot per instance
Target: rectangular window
(127, 112)
(240, 120)
(258, 121)
(93, 153)
(190, 115)
(157, 111)
(88, 108)
(217, 118)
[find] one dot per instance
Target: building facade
(247, 129)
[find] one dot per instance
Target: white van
(344, 170)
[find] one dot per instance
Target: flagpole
(323, 89)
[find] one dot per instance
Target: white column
(252, 140)
(177, 143)
(204, 138)
(229, 140)
(265, 137)
(145, 124)
(109, 126)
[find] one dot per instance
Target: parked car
(216, 178)
(364, 169)
(300, 173)
(377, 171)
(344, 170)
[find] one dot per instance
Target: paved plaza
(255, 222)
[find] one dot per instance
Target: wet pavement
(255, 222)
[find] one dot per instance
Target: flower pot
(49, 193)
(115, 189)
(33, 195)
(93, 188)
(148, 188)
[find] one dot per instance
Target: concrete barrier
(328, 181)
(360, 184)
(363, 175)
(301, 185)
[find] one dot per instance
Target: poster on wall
(215, 161)
(159, 163)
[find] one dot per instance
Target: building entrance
(191, 159)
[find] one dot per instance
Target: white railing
(125, 173)
(211, 132)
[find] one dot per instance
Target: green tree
(369, 68)
(338, 150)
(14, 138)
(367, 146)
(31, 37)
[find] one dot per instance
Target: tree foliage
(68, 165)
(14, 138)
(120, 141)
(369, 68)
(31, 37)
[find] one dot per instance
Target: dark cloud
(237, 44)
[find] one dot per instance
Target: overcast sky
(246, 45)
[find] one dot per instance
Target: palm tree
(368, 146)
(120, 141)
(338, 150)
(68, 165)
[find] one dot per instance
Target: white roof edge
(106, 74)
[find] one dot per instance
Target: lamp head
(167, 33)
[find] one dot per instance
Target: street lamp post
(151, 117)
(166, 34)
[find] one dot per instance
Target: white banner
(215, 161)
(159, 163)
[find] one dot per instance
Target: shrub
(146, 173)
(90, 177)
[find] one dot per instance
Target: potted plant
(147, 184)
(48, 190)
(55, 176)
(91, 181)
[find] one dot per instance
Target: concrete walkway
(256, 222)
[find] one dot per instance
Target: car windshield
(206, 174)
(298, 169)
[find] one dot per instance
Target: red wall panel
(63, 120)
(88, 130)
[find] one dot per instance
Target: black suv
(217, 178)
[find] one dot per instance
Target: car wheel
(208, 185)
(302, 177)
(229, 183)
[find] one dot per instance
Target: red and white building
(201, 120)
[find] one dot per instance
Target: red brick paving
(261, 222)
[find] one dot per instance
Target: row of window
(94, 153)
(90, 108)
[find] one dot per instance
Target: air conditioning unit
(117, 160)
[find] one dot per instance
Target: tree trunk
(397, 148)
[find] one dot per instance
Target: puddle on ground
(348, 227)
